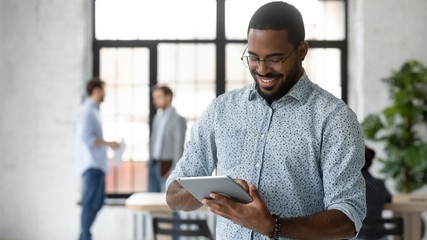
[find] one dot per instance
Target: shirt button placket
(262, 141)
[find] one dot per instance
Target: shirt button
(262, 135)
(257, 165)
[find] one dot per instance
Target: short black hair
(93, 83)
(165, 89)
(280, 16)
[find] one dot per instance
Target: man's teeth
(266, 80)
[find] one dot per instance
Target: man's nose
(262, 68)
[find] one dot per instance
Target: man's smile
(268, 80)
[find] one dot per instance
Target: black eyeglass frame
(282, 59)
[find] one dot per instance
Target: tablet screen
(201, 187)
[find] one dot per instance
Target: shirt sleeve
(88, 129)
(342, 158)
(199, 158)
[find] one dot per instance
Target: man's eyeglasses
(271, 62)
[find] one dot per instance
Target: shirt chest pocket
(230, 144)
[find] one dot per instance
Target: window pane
(159, 19)
(186, 63)
(323, 67)
(324, 20)
(140, 111)
(236, 74)
(189, 69)
(125, 111)
(192, 99)
(133, 132)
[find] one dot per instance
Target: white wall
(46, 57)
(383, 35)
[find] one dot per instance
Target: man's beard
(284, 87)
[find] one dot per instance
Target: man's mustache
(268, 75)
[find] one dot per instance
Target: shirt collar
(252, 93)
(300, 91)
(91, 103)
(163, 112)
(167, 111)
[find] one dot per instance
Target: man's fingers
(243, 183)
(257, 199)
(220, 204)
(220, 198)
(217, 207)
(254, 192)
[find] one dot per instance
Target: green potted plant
(398, 126)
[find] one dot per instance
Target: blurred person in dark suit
(376, 195)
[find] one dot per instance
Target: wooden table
(146, 203)
(409, 207)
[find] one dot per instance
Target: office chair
(202, 227)
(374, 228)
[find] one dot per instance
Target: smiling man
(296, 148)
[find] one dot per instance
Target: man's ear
(302, 50)
(169, 97)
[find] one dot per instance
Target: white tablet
(201, 187)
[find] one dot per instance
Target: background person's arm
(180, 199)
(101, 142)
(87, 130)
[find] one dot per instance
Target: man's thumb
(254, 192)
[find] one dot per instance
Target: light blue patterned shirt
(304, 153)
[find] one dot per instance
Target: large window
(194, 46)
